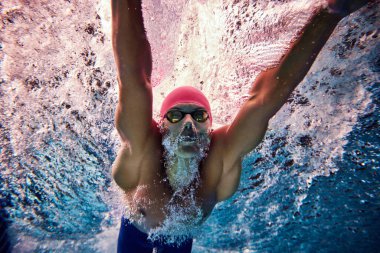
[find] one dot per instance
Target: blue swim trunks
(132, 240)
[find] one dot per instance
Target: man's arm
(272, 89)
(134, 111)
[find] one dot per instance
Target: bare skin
(139, 169)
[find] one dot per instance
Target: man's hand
(345, 7)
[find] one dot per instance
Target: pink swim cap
(185, 95)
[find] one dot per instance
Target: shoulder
(221, 147)
(134, 164)
(224, 166)
(217, 149)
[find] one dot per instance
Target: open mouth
(187, 139)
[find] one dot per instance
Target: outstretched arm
(273, 87)
(134, 65)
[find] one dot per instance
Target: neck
(181, 172)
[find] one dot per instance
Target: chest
(155, 204)
(154, 200)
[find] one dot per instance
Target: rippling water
(313, 184)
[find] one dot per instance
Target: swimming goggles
(174, 116)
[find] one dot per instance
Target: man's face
(187, 137)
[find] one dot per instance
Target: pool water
(312, 185)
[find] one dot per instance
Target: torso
(149, 204)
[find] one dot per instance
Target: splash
(180, 171)
(182, 221)
(58, 93)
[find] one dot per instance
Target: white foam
(55, 103)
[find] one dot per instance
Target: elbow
(256, 100)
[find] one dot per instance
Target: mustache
(187, 133)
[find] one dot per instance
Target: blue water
(340, 213)
(311, 186)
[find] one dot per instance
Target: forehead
(187, 107)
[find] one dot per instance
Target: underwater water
(311, 186)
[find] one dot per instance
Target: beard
(182, 157)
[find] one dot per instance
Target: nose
(188, 122)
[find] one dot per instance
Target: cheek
(173, 128)
(163, 128)
(203, 128)
(170, 130)
(166, 127)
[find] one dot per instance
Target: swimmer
(180, 162)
